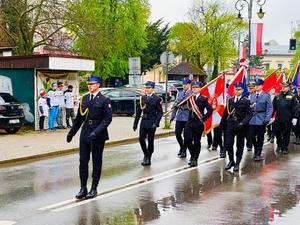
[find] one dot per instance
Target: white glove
(294, 122)
(272, 120)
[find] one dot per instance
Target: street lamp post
(240, 5)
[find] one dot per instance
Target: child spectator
(43, 108)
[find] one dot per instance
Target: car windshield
(6, 98)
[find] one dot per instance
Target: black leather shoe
(222, 155)
(183, 154)
(272, 140)
(214, 148)
(147, 162)
(190, 161)
(285, 151)
(208, 147)
(91, 194)
(236, 167)
(279, 149)
(249, 149)
(82, 193)
(229, 165)
(194, 163)
(144, 161)
(179, 153)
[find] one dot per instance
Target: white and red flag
(215, 92)
(239, 77)
(256, 38)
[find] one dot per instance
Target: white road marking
(104, 195)
(7, 222)
(133, 184)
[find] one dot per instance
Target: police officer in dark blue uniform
(195, 124)
(95, 114)
(150, 109)
(236, 118)
(181, 114)
(297, 127)
(285, 105)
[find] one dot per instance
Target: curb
(54, 154)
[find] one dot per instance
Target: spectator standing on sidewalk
(53, 104)
(43, 109)
(69, 103)
(60, 116)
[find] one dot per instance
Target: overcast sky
(277, 20)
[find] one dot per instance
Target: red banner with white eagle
(215, 92)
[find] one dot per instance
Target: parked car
(122, 100)
(171, 89)
(11, 113)
(159, 91)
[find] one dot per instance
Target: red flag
(238, 77)
(270, 82)
(280, 79)
(215, 92)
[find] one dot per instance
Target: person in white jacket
(43, 109)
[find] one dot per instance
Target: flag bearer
(195, 124)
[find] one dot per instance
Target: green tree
(32, 23)
(157, 43)
(110, 31)
(209, 38)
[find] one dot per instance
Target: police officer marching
(286, 109)
(262, 108)
(150, 109)
(95, 114)
(195, 124)
(236, 118)
(181, 114)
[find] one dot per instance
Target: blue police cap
(198, 84)
(251, 84)
(150, 84)
(259, 81)
(186, 81)
(239, 86)
(93, 79)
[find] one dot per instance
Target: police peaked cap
(251, 84)
(150, 84)
(239, 86)
(259, 81)
(94, 79)
(198, 84)
(186, 81)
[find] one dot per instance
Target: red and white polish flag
(256, 38)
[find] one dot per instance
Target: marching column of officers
(245, 117)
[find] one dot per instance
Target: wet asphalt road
(42, 193)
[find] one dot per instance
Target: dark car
(122, 100)
(11, 113)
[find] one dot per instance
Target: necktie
(92, 97)
(257, 96)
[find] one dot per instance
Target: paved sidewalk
(29, 145)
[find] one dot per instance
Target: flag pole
(185, 100)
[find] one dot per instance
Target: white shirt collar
(95, 93)
(258, 93)
(150, 95)
(197, 95)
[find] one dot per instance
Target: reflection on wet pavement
(262, 193)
